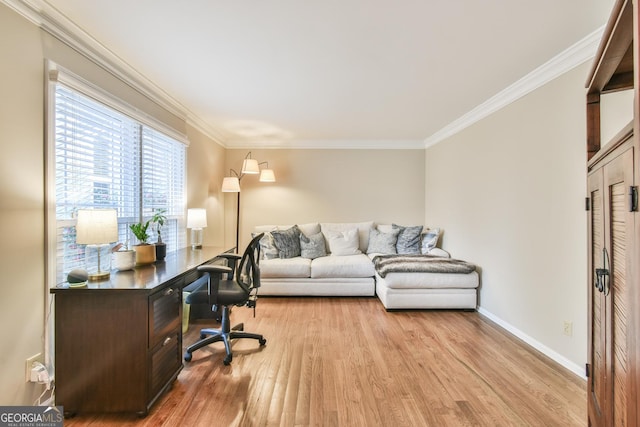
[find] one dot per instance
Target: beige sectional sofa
(339, 261)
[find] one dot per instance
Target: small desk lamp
(196, 221)
(96, 228)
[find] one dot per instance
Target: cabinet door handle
(169, 291)
(633, 199)
(166, 341)
(602, 274)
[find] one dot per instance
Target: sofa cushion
(287, 241)
(342, 266)
(408, 239)
(285, 267)
(343, 243)
(312, 246)
(382, 242)
(429, 280)
(439, 252)
(363, 231)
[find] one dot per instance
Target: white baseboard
(557, 357)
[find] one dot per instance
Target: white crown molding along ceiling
(50, 20)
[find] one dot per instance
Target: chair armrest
(232, 261)
(211, 268)
(229, 256)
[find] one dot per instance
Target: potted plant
(122, 257)
(145, 253)
(158, 219)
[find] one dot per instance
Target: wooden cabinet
(117, 351)
(613, 373)
(118, 343)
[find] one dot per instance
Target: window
(107, 159)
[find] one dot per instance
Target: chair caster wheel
(187, 357)
(227, 360)
(262, 341)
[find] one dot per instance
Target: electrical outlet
(29, 364)
(568, 328)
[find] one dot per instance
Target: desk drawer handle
(166, 341)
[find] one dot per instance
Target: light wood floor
(348, 362)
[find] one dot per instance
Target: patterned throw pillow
(381, 242)
(312, 246)
(429, 240)
(268, 248)
(287, 241)
(408, 239)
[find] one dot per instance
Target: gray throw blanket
(386, 264)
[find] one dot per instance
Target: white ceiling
(333, 72)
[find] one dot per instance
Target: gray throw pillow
(312, 246)
(429, 240)
(268, 248)
(288, 242)
(408, 239)
(382, 243)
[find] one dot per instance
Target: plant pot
(145, 254)
(123, 260)
(161, 251)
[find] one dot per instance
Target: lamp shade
(267, 175)
(196, 218)
(96, 226)
(231, 184)
(250, 166)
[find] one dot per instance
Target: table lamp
(196, 221)
(96, 228)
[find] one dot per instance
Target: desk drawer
(165, 313)
(166, 361)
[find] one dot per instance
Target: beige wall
(509, 192)
(21, 206)
(329, 186)
(205, 171)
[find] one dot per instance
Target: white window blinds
(106, 159)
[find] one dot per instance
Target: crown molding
(49, 19)
(570, 58)
(333, 144)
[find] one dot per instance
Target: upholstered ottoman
(449, 288)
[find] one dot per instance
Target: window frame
(56, 75)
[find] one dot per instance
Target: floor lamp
(231, 184)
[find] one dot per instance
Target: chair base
(224, 334)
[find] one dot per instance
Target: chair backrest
(248, 272)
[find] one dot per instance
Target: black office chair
(229, 286)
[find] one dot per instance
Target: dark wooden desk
(118, 342)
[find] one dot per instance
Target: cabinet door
(596, 386)
(611, 230)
